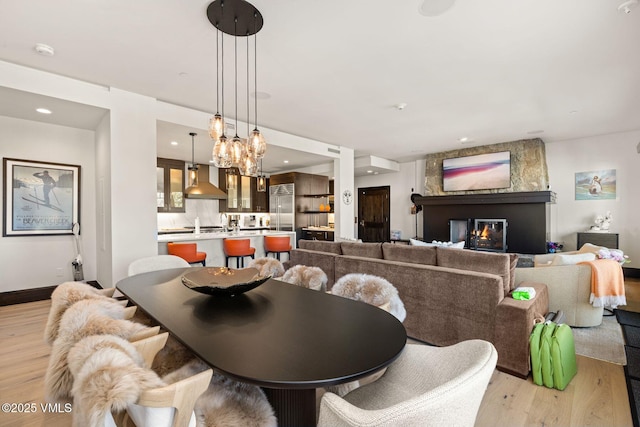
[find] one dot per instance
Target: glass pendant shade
(257, 143)
(248, 165)
(193, 175)
(222, 153)
(237, 150)
(231, 179)
(216, 127)
(262, 184)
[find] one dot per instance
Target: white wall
(411, 175)
(33, 261)
(614, 151)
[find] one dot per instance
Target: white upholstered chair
(425, 386)
(154, 263)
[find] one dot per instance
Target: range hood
(204, 189)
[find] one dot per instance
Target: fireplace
(528, 215)
(480, 234)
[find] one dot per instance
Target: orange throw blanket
(607, 283)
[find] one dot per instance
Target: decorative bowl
(223, 281)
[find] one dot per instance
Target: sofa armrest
(514, 322)
(569, 290)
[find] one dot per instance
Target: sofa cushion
(571, 259)
(366, 250)
(483, 262)
(321, 246)
(413, 254)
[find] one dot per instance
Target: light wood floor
(596, 396)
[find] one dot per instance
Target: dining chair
(306, 276)
(155, 263)
(68, 293)
(277, 245)
(188, 252)
(267, 266)
(373, 290)
(237, 248)
(434, 386)
(85, 318)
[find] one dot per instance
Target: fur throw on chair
(371, 289)
(307, 277)
(64, 296)
(109, 376)
(268, 266)
(227, 402)
(82, 319)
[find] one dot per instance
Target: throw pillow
(572, 259)
(590, 248)
(415, 242)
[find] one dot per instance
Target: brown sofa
(450, 295)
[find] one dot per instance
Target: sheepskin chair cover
(64, 296)
(227, 402)
(268, 266)
(307, 277)
(371, 289)
(109, 376)
(83, 319)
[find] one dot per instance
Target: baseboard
(34, 294)
(25, 295)
(631, 272)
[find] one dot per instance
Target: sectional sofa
(450, 295)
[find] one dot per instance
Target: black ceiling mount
(249, 18)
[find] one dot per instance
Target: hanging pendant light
(262, 180)
(193, 168)
(237, 18)
(256, 139)
(216, 124)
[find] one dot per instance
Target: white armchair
(434, 386)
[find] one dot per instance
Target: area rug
(630, 322)
(604, 342)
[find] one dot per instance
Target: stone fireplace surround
(527, 214)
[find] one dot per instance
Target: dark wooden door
(373, 214)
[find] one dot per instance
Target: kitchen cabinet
(317, 234)
(170, 185)
(242, 192)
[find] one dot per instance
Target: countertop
(321, 228)
(203, 229)
(219, 235)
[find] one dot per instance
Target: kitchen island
(211, 243)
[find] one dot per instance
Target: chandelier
(236, 18)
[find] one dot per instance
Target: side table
(608, 240)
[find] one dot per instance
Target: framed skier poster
(40, 198)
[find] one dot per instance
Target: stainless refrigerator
(282, 207)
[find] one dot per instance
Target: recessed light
(464, 139)
(435, 7)
(401, 106)
(174, 142)
(573, 112)
(43, 111)
(286, 161)
(369, 171)
(44, 49)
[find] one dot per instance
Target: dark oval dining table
(286, 339)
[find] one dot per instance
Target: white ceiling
(490, 70)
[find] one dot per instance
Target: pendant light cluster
(236, 18)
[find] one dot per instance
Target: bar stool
(188, 252)
(237, 248)
(277, 245)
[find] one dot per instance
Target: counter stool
(237, 248)
(188, 252)
(277, 245)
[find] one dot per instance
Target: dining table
(286, 339)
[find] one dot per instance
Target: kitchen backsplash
(208, 214)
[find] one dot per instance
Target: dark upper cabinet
(170, 185)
